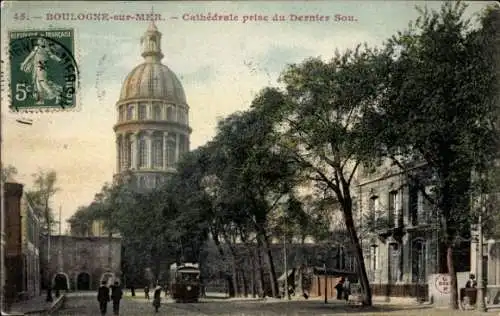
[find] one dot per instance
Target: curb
(59, 303)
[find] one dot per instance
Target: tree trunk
(273, 280)
(358, 252)
(253, 277)
(453, 277)
(262, 283)
(244, 282)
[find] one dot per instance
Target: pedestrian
(103, 297)
(157, 297)
(471, 283)
(346, 289)
(339, 288)
(116, 296)
(146, 292)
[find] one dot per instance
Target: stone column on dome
(165, 153)
(134, 151)
(149, 149)
(118, 153)
(177, 147)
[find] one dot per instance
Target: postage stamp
(43, 70)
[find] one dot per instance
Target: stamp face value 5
(43, 70)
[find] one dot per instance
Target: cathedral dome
(153, 80)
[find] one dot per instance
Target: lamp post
(481, 305)
(286, 268)
(326, 287)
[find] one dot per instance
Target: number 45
(22, 91)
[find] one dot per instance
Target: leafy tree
(436, 104)
(44, 188)
(318, 120)
(252, 178)
(8, 173)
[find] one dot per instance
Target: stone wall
(83, 261)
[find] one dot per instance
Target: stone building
(22, 245)
(153, 130)
(13, 242)
(399, 234)
(81, 263)
(31, 247)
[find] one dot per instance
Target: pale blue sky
(221, 65)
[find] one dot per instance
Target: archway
(60, 281)
(83, 281)
(109, 277)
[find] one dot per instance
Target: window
(182, 144)
(156, 112)
(373, 207)
(130, 112)
(395, 271)
(171, 151)
(418, 261)
(374, 257)
(128, 153)
(182, 116)
(143, 108)
(157, 152)
(121, 113)
(171, 113)
(143, 153)
(414, 204)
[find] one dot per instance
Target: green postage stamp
(43, 70)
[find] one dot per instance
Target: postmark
(44, 74)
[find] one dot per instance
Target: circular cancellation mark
(43, 73)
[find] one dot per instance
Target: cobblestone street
(86, 304)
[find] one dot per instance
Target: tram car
(185, 282)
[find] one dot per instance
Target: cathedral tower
(153, 130)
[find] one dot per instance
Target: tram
(185, 282)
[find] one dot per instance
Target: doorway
(61, 282)
(83, 281)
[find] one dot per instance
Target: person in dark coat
(103, 297)
(146, 292)
(339, 287)
(116, 296)
(157, 298)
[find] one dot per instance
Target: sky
(221, 64)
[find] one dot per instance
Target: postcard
(95, 92)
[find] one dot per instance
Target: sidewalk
(34, 305)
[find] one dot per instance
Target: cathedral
(152, 131)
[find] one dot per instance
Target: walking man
(103, 297)
(146, 292)
(116, 296)
(157, 297)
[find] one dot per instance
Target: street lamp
(481, 305)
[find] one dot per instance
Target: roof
(153, 80)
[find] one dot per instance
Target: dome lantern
(151, 44)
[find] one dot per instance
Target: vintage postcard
(248, 157)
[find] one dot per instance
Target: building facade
(400, 234)
(22, 245)
(13, 242)
(152, 131)
(30, 223)
(81, 263)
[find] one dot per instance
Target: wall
(13, 246)
(30, 245)
(72, 255)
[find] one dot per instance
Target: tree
(318, 120)
(44, 188)
(251, 177)
(8, 173)
(436, 104)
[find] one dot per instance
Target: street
(85, 304)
